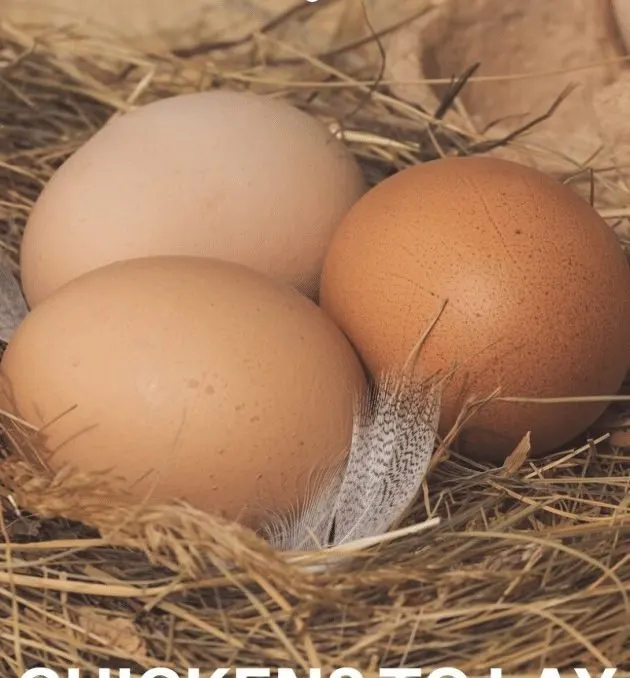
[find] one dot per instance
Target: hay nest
(527, 568)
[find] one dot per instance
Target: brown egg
(229, 175)
(537, 290)
(192, 378)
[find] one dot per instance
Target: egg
(535, 285)
(230, 175)
(190, 378)
(621, 19)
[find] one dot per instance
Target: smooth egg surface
(536, 286)
(190, 378)
(229, 175)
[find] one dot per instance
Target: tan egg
(621, 17)
(192, 378)
(231, 175)
(536, 285)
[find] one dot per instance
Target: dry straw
(529, 565)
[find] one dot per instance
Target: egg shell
(193, 378)
(621, 14)
(230, 175)
(536, 285)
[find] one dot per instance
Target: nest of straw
(527, 568)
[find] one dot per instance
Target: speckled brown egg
(230, 175)
(536, 286)
(191, 378)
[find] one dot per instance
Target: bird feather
(393, 439)
(389, 458)
(13, 308)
